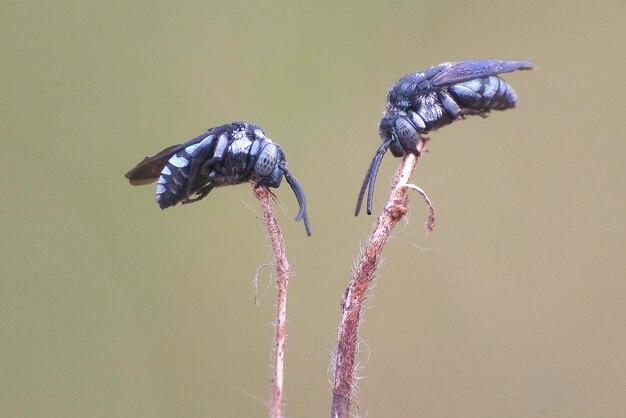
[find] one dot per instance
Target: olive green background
(514, 307)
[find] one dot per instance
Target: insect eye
(267, 160)
(406, 131)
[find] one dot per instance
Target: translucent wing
(149, 169)
(450, 73)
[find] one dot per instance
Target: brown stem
(282, 280)
(357, 291)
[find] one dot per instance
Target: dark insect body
(437, 96)
(229, 154)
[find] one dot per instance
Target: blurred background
(109, 307)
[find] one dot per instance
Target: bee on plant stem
(229, 154)
(437, 96)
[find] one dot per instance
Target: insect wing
(150, 168)
(450, 73)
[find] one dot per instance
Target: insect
(229, 154)
(437, 96)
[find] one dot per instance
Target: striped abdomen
(478, 96)
(173, 183)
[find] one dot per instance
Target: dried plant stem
(357, 291)
(282, 280)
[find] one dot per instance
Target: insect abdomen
(483, 94)
(478, 96)
(173, 183)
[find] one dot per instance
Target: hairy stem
(282, 280)
(359, 286)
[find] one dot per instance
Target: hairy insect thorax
(235, 165)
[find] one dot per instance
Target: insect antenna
(370, 178)
(299, 192)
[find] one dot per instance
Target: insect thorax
(236, 165)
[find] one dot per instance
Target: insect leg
(218, 154)
(193, 181)
(200, 165)
(449, 104)
(200, 194)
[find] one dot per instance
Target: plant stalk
(282, 280)
(359, 287)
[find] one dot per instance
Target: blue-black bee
(437, 96)
(228, 154)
